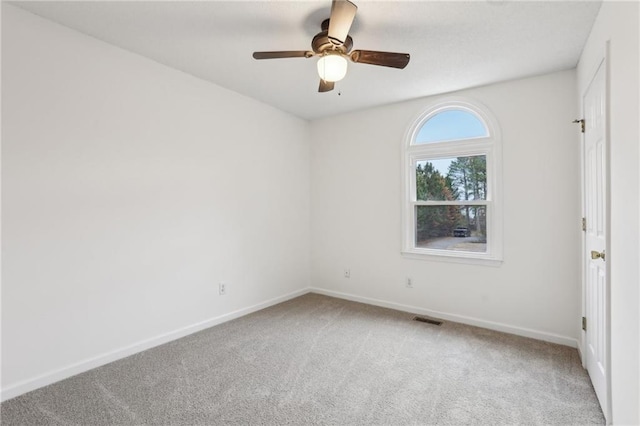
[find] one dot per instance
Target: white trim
(469, 258)
(602, 60)
(80, 367)
(607, 77)
(579, 348)
(447, 104)
(45, 379)
(491, 325)
(485, 203)
(489, 146)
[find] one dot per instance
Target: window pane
(457, 228)
(460, 178)
(451, 125)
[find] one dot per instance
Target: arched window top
(452, 207)
(450, 124)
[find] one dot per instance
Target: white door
(596, 288)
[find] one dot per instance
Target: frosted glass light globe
(332, 67)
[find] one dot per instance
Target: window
(452, 207)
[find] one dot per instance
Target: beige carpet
(320, 360)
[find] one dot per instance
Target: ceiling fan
(333, 45)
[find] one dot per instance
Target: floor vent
(427, 320)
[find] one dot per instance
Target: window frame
(489, 146)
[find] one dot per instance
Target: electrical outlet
(222, 289)
(409, 283)
(347, 273)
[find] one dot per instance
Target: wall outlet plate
(222, 289)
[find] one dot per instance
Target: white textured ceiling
(453, 44)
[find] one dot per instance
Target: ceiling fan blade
(283, 54)
(342, 14)
(385, 59)
(325, 86)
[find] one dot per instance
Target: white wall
(617, 23)
(129, 191)
(356, 214)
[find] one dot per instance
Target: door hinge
(584, 224)
(584, 323)
(581, 121)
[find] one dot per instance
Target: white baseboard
(519, 331)
(581, 352)
(25, 386)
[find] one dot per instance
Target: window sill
(465, 258)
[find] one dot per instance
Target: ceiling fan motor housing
(321, 43)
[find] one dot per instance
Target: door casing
(604, 63)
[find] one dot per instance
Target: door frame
(604, 61)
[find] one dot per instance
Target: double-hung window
(452, 208)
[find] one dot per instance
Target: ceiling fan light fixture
(332, 67)
(333, 47)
